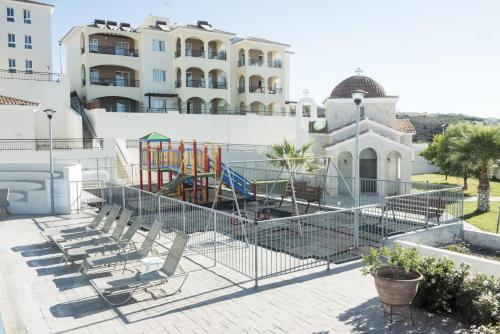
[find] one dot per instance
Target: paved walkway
(37, 295)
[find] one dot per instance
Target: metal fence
(134, 143)
(262, 249)
(57, 144)
(30, 75)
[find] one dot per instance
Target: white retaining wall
(29, 185)
(236, 129)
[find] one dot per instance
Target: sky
(439, 56)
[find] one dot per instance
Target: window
(362, 112)
(94, 76)
(27, 16)
(27, 42)
(122, 48)
(10, 14)
(12, 65)
(159, 75)
(12, 41)
(123, 79)
(160, 104)
(123, 106)
(94, 45)
(158, 45)
(29, 66)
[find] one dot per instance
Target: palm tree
(296, 157)
(481, 146)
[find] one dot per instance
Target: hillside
(428, 125)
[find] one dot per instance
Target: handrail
(30, 75)
(78, 107)
(111, 50)
(57, 144)
(114, 82)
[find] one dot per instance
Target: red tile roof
(11, 101)
(404, 125)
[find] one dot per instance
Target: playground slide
(240, 183)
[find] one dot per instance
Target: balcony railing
(195, 83)
(114, 82)
(57, 144)
(217, 55)
(255, 89)
(195, 53)
(30, 75)
(255, 62)
(241, 90)
(217, 85)
(277, 91)
(275, 63)
(110, 50)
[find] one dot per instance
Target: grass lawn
(453, 180)
(486, 221)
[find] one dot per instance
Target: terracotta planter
(396, 292)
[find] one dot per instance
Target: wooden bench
(4, 202)
(305, 193)
(430, 207)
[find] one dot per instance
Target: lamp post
(50, 113)
(357, 97)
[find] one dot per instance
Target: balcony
(195, 53)
(118, 82)
(277, 63)
(255, 89)
(217, 85)
(109, 50)
(255, 62)
(195, 83)
(217, 55)
(276, 91)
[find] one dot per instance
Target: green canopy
(154, 136)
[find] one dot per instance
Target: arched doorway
(368, 170)
(195, 105)
(345, 166)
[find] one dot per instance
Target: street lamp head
(358, 96)
(49, 112)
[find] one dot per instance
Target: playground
(195, 173)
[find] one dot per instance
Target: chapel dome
(358, 82)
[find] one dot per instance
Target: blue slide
(241, 184)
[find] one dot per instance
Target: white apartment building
(194, 69)
(26, 71)
(25, 36)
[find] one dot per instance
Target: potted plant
(396, 275)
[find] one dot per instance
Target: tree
(481, 146)
(296, 157)
(445, 153)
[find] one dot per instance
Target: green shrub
(445, 288)
(442, 282)
(479, 300)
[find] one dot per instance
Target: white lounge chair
(125, 256)
(126, 285)
(56, 232)
(59, 239)
(80, 250)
